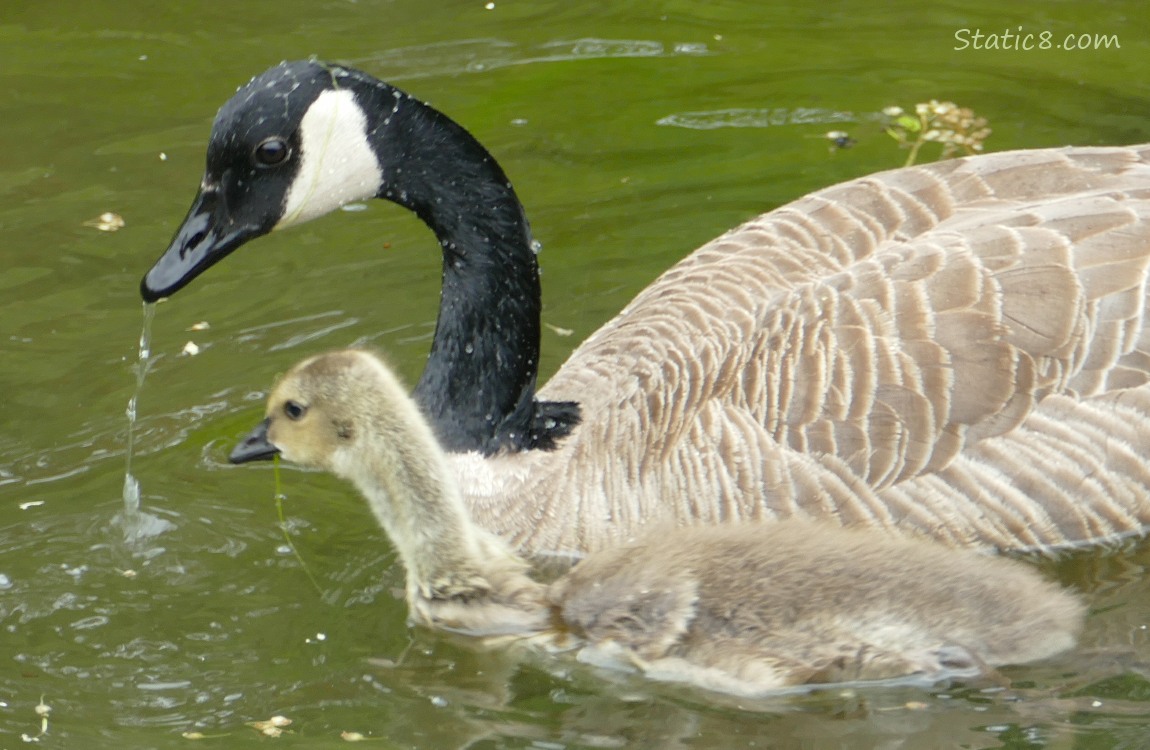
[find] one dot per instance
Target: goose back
(958, 348)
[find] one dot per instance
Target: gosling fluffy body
(741, 609)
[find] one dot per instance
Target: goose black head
(291, 145)
(303, 139)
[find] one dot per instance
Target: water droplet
(536, 246)
(131, 493)
(469, 349)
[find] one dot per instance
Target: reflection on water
(762, 118)
(476, 55)
(200, 619)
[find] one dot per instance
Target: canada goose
(957, 349)
(737, 608)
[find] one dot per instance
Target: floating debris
(191, 349)
(30, 504)
(560, 331)
(272, 727)
(42, 710)
(203, 325)
(202, 736)
(106, 222)
(839, 139)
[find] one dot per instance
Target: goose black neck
(478, 388)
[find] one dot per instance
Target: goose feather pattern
(958, 349)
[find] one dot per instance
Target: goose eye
(294, 410)
(271, 152)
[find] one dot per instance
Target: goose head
(291, 145)
(305, 138)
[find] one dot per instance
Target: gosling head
(323, 410)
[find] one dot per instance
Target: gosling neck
(478, 387)
(419, 506)
(413, 495)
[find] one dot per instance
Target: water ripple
(761, 118)
(479, 55)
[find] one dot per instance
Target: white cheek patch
(337, 164)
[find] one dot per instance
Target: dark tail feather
(553, 421)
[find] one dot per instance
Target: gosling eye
(271, 152)
(294, 410)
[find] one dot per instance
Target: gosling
(743, 609)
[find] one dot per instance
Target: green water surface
(634, 131)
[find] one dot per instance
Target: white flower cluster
(948, 123)
(957, 128)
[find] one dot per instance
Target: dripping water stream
(131, 484)
(135, 522)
